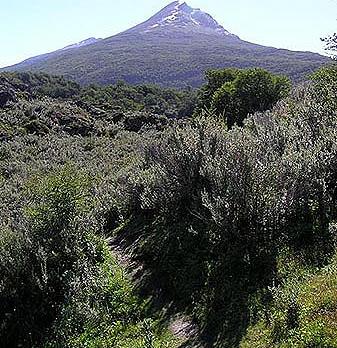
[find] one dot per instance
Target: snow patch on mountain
(82, 43)
(179, 15)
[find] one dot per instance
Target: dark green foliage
(325, 85)
(122, 97)
(215, 80)
(233, 94)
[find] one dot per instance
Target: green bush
(325, 85)
(39, 260)
(102, 310)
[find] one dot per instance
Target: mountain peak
(86, 42)
(179, 15)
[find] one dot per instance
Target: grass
(303, 313)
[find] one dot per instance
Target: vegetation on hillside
(233, 226)
(170, 58)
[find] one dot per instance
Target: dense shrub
(213, 208)
(147, 98)
(39, 261)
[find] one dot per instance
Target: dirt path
(179, 324)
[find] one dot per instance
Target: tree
(215, 80)
(331, 43)
(234, 93)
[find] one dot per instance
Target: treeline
(226, 195)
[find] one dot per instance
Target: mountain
(172, 48)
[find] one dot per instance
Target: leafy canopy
(234, 93)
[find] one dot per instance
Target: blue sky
(31, 27)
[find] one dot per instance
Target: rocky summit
(179, 15)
